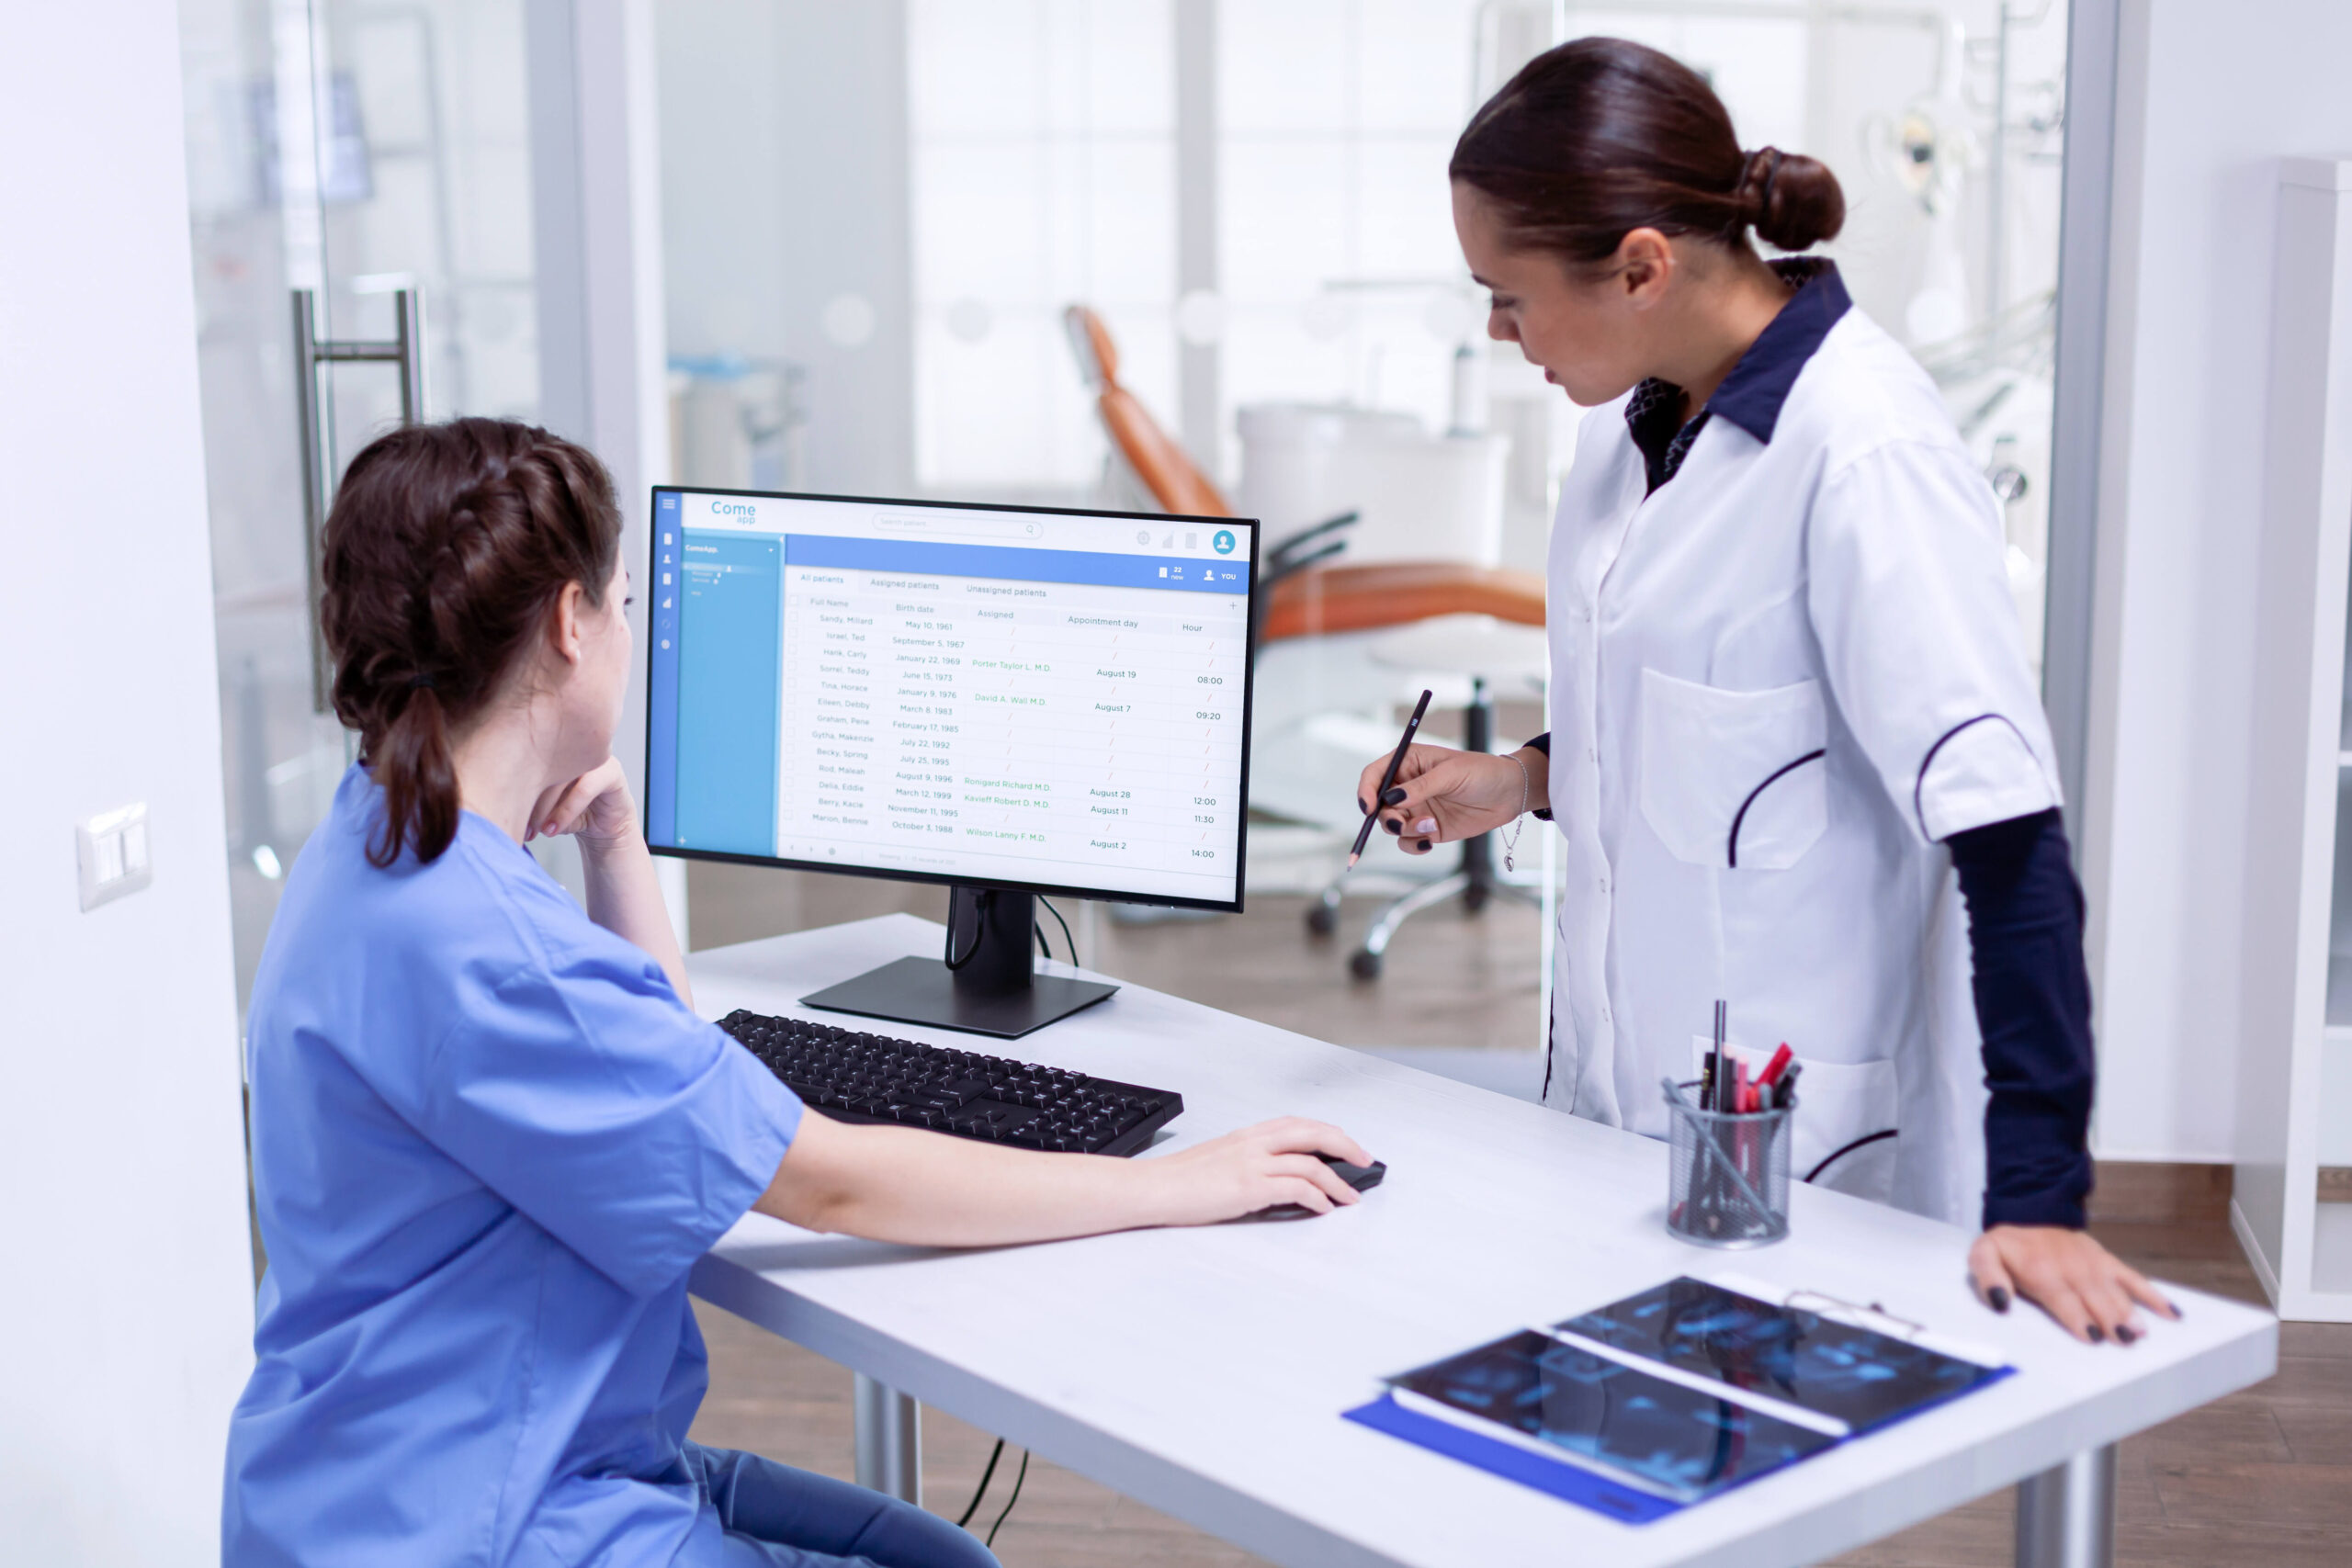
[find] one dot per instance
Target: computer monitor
(1008, 701)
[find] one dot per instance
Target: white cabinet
(2295, 1046)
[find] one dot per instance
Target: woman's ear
(566, 636)
(1646, 264)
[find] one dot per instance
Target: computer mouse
(1362, 1177)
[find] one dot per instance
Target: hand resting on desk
(2066, 1274)
(909, 1185)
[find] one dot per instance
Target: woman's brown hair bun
(1794, 201)
(447, 548)
(1599, 137)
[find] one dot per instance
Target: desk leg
(2067, 1515)
(889, 1441)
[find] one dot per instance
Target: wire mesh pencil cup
(1729, 1184)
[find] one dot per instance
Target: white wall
(126, 1300)
(2210, 98)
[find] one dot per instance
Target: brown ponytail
(1599, 137)
(447, 547)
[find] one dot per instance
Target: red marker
(1772, 1069)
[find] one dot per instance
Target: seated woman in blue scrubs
(491, 1135)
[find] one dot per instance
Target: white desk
(1202, 1371)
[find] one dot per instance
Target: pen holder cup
(1730, 1175)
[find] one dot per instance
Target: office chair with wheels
(1472, 878)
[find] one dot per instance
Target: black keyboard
(871, 1078)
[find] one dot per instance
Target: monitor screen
(1023, 698)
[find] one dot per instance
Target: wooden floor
(2262, 1479)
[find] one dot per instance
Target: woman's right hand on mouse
(1257, 1168)
(1443, 796)
(908, 1184)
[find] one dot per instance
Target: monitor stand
(994, 990)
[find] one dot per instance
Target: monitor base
(923, 991)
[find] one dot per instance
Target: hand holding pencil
(1440, 795)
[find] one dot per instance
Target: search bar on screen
(949, 525)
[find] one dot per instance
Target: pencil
(1388, 779)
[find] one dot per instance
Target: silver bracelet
(1517, 823)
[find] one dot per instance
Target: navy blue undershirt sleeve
(2033, 1007)
(1543, 743)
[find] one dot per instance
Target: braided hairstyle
(447, 549)
(1599, 137)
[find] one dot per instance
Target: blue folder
(1562, 1480)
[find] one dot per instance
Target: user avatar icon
(1223, 543)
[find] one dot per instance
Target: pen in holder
(1730, 1175)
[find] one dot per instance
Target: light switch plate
(113, 852)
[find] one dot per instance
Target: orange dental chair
(1305, 594)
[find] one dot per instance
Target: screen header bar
(1163, 539)
(926, 557)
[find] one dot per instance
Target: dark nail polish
(1999, 1296)
(2099, 1335)
(2125, 1334)
(1362, 806)
(2173, 1304)
(1425, 844)
(1396, 828)
(1393, 797)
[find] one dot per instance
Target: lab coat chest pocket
(1733, 779)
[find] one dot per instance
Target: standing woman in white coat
(1796, 758)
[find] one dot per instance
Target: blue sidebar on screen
(662, 679)
(716, 660)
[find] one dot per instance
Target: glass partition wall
(874, 216)
(1252, 198)
(1040, 149)
(360, 153)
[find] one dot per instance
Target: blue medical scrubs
(488, 1143)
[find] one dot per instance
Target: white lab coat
(1778, 684)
